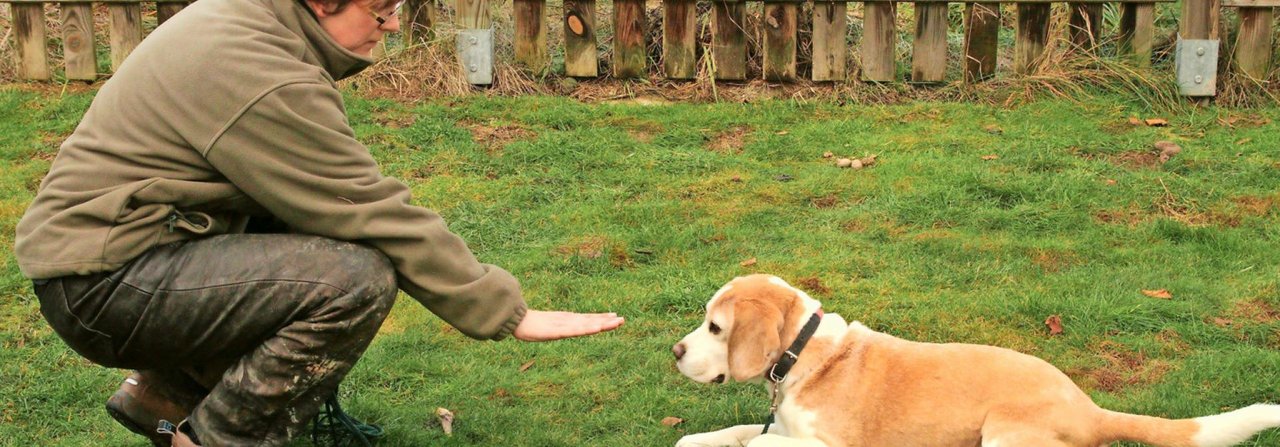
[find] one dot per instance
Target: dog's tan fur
(856, 387)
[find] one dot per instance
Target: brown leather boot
(146, 397)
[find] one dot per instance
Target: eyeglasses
(395, 11)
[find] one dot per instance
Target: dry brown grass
(7, 54)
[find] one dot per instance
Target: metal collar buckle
(773, 372)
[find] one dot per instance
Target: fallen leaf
(990, 157)
(748, 263)
(526, 366)
(1159, 294)
(1243, 141)
(1157, 122)
(1055, 324)
(736, 179)
(782, 132)
(446, 420)
(1135, 121)
(993, 129)
(1111, 182)
(671, 421)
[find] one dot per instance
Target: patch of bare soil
(496, 138)
(729, 141)
(1123, 368)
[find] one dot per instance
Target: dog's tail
(1220, 430)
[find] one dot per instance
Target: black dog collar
(792, 354)
(779, 370)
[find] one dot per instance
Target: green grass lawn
(647, 210)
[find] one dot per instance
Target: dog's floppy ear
(754, 342)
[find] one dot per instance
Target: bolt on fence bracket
(1197, 61)
(475, 52)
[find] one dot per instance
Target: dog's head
(749, 322)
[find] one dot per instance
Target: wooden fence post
(878, 41)
(981, 40)
(580, 58)
(830, 27)
(679, 39)
(78, 52)
(531, 34)
(166, 10)
(729, 39)
(28, 29)
(1199, 19)
(1032, 35)
(473, 18)
(929, 51)
(628, 39)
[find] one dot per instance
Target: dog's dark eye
(714, 328)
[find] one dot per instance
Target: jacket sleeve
(294, 152)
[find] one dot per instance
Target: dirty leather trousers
(286, 316)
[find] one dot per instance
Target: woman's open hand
(554, 325)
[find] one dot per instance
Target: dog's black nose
(718, 379)
(678, 350)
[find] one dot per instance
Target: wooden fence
(728, 51)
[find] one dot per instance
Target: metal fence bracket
(475, 52)
(1197, 61)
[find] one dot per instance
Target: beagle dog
(851, 386)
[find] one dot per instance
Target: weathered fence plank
(830, 25)
(28, 30)
(78, 53)
(1137, 31)
(780, 27)
(580, 58)
(729, 40)
(126, 30)
(981, 40)
(1032, 35)
(628, 39)
(531, 34)
(679, 39)
(878, 41)
(929, 51)
(1254, 45)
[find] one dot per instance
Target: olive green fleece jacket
(231, 110)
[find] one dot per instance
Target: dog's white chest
(795, 420)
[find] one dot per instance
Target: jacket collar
(322, 50)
